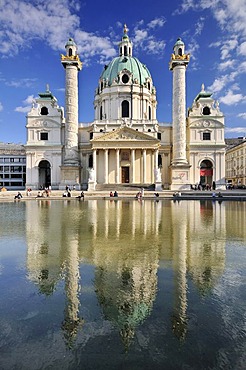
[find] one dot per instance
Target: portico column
(153, 166)
(117, 169)
(106, 166)
(144, 166)
(156, 159)
(95, 162)
(132, 166)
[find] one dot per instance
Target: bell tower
(70, 168)
(179, 165)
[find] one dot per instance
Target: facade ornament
(157, 173)
(92, 175)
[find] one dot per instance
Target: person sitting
(138, 195)
(115, 194)
(81, 196)
(220, 195)
(18, 196)
(111, 194)
(40, 195)
(157, 195)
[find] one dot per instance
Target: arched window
(149, 85)
(101, 112)
(125, 108)
(180, 51)
(101, 85)
(125, 50)
(149, 113)
(44, 111)
(125, 78)
(206, 111)
(70, 52)
(121, 50)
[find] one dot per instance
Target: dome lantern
(125, 46)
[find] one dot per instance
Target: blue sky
(33, 35)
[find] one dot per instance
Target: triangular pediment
(125, 134)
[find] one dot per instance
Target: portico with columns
(125, 157)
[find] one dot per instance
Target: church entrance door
(125, 175)
(206, 173)
(44, 174)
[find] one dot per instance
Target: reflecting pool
(122, 284)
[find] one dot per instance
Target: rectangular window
(206, 136)
(159, 135)
(16, 176)
(44, 136)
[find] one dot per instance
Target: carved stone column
(144, 166)
(117, 167)
(106, 166)
(132, 166)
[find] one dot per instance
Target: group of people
(203, 186)
(115, 194)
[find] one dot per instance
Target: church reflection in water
(127, 242)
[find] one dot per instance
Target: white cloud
(1, 107)
(242, 115)
(226, 65)
(232, 99)
(219, 84)
(242, 48)
(23, 82)
(157, 22)
(23, 109)
(235, 129)
(144, 38)
(228, 46)
(230, 15)
(27, 104)
(140, 36)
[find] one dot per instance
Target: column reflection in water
(199, 240)
(52, 255)
(126, 269)
(206, 260)
(179, 246)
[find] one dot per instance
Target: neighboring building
(125, 144)
(12, 166)
(236, 162)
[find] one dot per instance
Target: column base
(158, 186)
(180, 177)
(91, 185)
(70, 176)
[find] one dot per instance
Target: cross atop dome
(125, 29)
(125, 46)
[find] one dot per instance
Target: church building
(125, 145)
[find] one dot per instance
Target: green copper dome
(138, 70)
